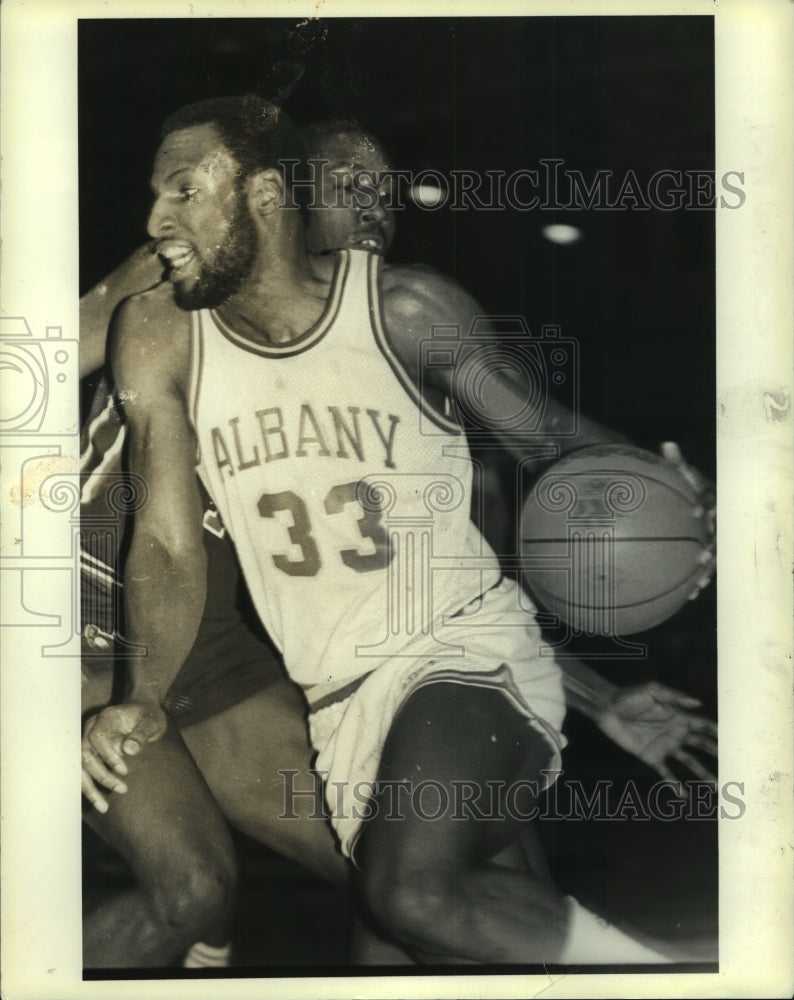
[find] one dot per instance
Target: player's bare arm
(165, 572)
(140, 271)
(417, 298)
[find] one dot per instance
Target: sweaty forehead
(197, 148)
(352, 150)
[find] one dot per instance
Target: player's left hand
(656, 724)
(707, 495)
(109, 735)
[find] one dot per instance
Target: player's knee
(413, 910)
(198, 891)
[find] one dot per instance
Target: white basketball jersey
(347, 504)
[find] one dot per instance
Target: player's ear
(266, 192)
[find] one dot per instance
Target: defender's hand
(655, 724)
(107, 737)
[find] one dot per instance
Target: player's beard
(221, 278)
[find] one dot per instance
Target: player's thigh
(167, 824)
(241, 750)
(252, 755)
(473, 766)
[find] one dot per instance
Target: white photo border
(40, 697)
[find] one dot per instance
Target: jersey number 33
(370, 526)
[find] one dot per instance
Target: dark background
(637, 292)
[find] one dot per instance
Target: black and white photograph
(404, 414)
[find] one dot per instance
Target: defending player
(275, 314)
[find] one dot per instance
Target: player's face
(200, 219)
(353, 212)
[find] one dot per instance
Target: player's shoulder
(153, 319)
(415, 299)
(417, 291)
(150, 332)
(153, 307)
(412, 285)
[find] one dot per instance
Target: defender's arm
(141, 270)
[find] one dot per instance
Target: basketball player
(273, 306)
(646, 719)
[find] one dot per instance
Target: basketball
(613, 539)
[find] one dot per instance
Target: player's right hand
(107, 737)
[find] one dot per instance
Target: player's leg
(245, 724)
(178, 845)
(241, 753)
(211, 925)
(434, 883)
(370, 947)
(431, 882)
(256, 760)
(121, 932)
(245, 753)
